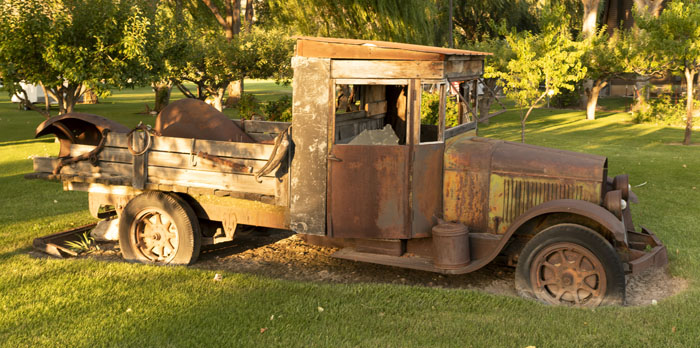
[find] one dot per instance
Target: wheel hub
(156, 235)
(567, 273)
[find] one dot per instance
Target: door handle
(332, 157)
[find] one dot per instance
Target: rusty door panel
(426, 188)
(369, 192)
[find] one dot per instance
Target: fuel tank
(488, 183)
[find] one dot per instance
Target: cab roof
(323, 47)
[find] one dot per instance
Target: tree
(408, 21)
(475, 19)
(590, 17)
(70, 45)
(213, 62)
(604, 59)
(550, 59)
(673, 40)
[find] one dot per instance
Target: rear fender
(77, 128)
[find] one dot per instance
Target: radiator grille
(521, 195)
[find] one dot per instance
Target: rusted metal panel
(193, 118)
(466, 182)
(529, 160)
(369, 192)
(426, 188)
(313, 105)
(78, 128)
(55, 244)
(512, 196)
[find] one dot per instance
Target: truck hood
(519, 159)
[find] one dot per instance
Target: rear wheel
(571, 265)
(156, 227)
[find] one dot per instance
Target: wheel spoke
(578, 261)
(558, 296)
(562, 257)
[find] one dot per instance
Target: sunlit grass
(47, 302)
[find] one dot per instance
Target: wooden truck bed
(175, 164)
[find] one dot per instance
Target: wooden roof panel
(368, 49)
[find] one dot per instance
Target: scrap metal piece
(193, 118)
(54, 244)
(91, 156)
(224, 162)
(78, 128)
(279, 151)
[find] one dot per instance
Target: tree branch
(185, 91)
(215, 10)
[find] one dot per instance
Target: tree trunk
(89, 97)
(249, 13)
(593, 94)
(47, 101)
(162, 94)
(590, 17)
(689, 75)
(235, 91)
(217, 103)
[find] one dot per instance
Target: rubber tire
(189, 235)
(584, 237)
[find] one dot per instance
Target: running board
(413, 262)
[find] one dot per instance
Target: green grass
(46, 302)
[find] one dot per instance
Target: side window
(370, 114)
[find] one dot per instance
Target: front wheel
(571, 265)
(156, 227)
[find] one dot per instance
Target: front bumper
(645, 251)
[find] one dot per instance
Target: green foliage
(248, 106)
(430, 109)
(550, 59)
(478, 20)
(279, 110)
(84, 245)
(673, 41)
(567, 98)
(606, 56)
(214, 62)
(664, 110)
(69, 44)
(390, 20)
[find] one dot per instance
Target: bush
(430, 107)
(279, 110)
(567, 98)
(248, 106)
(662, 110)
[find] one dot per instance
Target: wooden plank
(44, 164)
(170, 159)
(386, 69)
(348, 116)
(263, 138)
(376, 108)
(253, 126)
(212, 147)
(375, 93)
(309, 48)
(174, 176)
(464, 68)
(462, 128)
(361, 81)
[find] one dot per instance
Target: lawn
(83, 302)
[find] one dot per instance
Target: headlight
(623, 204)
(613, 202)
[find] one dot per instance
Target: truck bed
(173, 164)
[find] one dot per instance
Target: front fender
(575, 207)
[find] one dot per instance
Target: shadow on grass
(27, 141)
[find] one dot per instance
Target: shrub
(279, 110)
(662, 110)
(567, 99)
(430, 107)
(248, 106)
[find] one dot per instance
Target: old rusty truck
(357, 170)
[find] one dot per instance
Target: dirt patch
(281, 254)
